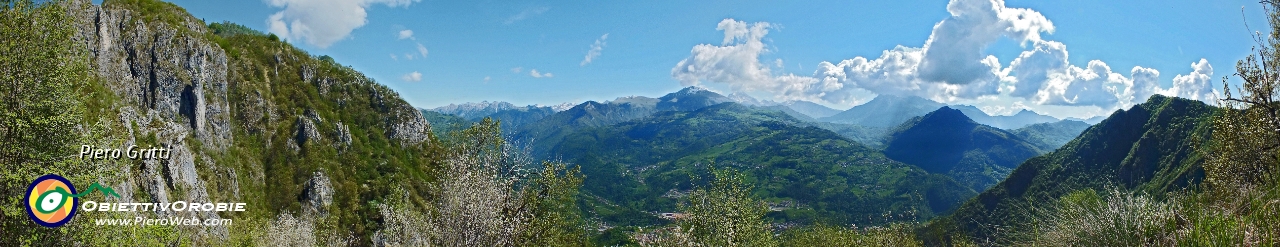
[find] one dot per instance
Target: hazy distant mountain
(813, 110)
(948, 142)
(512, 117)
(1051, 136)
(885, 111)
(471, 111)
(744, 99)
(690, 98)
(1092, 120)
(1018, 120)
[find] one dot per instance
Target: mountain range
(648, 163)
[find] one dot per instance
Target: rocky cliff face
(175, 84)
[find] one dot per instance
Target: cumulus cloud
(1044, 76)
(525, 14)
(321, 22)
(412, 77)
(953, 53)
(736, 61)
(595, 50)
(1196, 85)
(950, 67)
(422, 50)
(1094, 85)
(405, 34)
(534, 73)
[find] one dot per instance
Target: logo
(52, 200)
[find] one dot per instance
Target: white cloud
(422, 50)
(406, 34)
(408, 56)
(321, 22)
(525, 14)
(1196, 85)
(950, 67)
(595, 50)
(1094, 85)
(412, 77)
(486, 79)
(534, 73)
(737, 62)
(516, 69)
(1044, 76)
(393, 57)
(953, 54)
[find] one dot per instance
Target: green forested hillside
(1151, 148)
(444, 123)
(945, 141)
(808, 174)
(1051, 136)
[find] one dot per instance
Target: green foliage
(824, 235)
(1150, 148)
(40, 69)
(724, 214)
(556, 219)
(156, 11)
(1247, 137)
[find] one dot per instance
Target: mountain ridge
(946, 141)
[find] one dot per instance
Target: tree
(40, 65)
(38, 69)
(556, 220)
(724, 214)
(1247, 134)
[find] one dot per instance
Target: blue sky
(488, 50)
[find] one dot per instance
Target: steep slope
(947, 142)
(885, 111)
(247, 118)
(1017, 120)
(1150, 148)
(1051, 136)
(809, 174)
